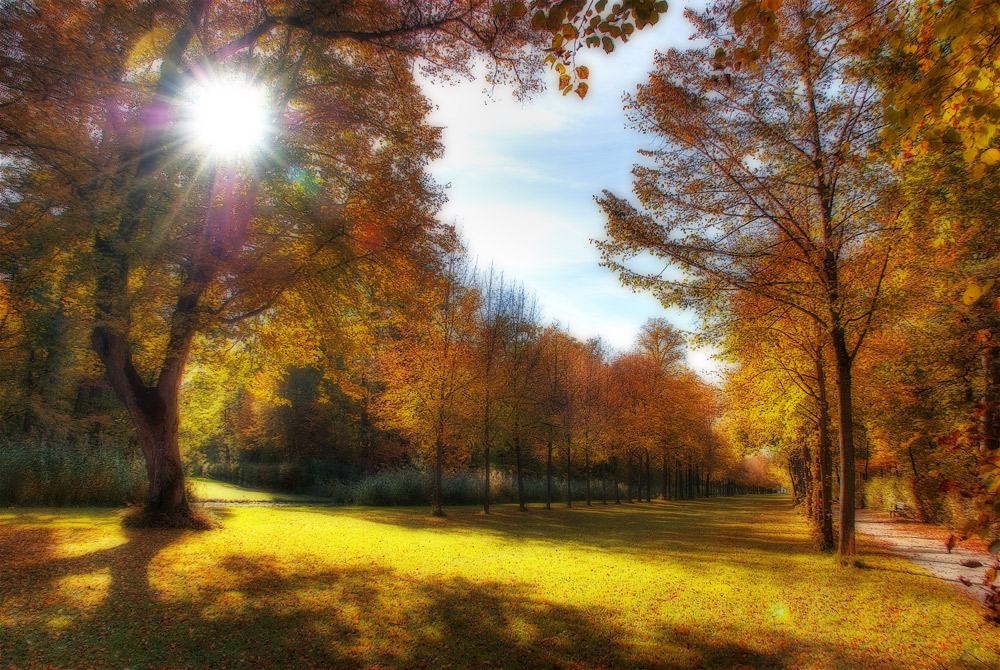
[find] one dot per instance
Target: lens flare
(230, 117)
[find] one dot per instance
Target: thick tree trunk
(846, 549)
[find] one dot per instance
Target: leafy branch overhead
(575, 25)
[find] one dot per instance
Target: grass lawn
(721, 583)
(210, 490)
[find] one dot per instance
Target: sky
(522, 179)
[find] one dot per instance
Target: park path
(924, 545)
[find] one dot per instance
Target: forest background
(824, 198)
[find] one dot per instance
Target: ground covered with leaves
(719, 583)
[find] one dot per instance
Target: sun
(230, 118)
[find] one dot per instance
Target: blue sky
(523, 177)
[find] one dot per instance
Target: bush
(62, 473)
(882, 493)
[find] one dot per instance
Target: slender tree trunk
(486, 453)
(604, 479)
(618, 496)
(845, 408)
(665, 479)
(520, 474)
(548, 473)
(628, 477)
(638, 477)
(586, 468)
(649, 479)
(569, 471)
(438, 494)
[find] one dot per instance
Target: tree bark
(569, 471)
(824, 478)
(846, 549)
(548, 473)
(989, 420)
(665, 479)
(520, 474)
(618, 496)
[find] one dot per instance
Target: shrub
(882, 493)
(63, 473)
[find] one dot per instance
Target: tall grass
(63, 473)
(410, 486)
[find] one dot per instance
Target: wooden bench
(897, 509)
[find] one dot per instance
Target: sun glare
(229, 117)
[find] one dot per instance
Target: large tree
(99, 157)
(766, 184)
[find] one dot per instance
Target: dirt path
(924, 545)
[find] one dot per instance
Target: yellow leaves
(990, 157)
(974, 292)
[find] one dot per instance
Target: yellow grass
(722, 583)
(205, 489)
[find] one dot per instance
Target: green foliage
(64, 473)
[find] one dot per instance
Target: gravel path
(925, 546)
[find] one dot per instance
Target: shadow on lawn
(693, 528)
(260, 614)
(261, 611)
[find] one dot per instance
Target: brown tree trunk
(807, 480)
(824, 478)
(569, 471)
(438, 492)
(846, 549)
(586, 468)
(486, 455)
(548, 473)
(520, 474)
(989, 420)
(649, 479)
(628, 478)
(618, 495)
(665, 479)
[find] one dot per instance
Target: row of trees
(824, 192)
(118, 228)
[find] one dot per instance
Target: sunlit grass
(721, 583)
(211, 490)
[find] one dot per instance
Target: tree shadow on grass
(264, 615)
(690, 528)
